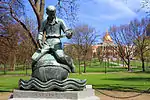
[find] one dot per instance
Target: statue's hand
(69, 33)
(40, 43)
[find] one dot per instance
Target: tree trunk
(118, 61)
(90, 62)
(108, 62)
(99, 61)
(12, 61)
(84, 67)
(26, 69)
(143, 65)
(4, 69)
(79, 65)
(128, 64)
(123, 63)
(105, 67)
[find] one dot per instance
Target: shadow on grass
(3, 90)
(129, 79)
(142, 72)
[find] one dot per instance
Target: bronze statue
(50, 65)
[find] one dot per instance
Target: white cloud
(101, 10)
(120, 9)
(104, 13)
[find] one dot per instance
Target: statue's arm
(66, 30)
(40, 34)
(41, 30)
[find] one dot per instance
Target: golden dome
(107, 37)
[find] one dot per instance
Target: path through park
(145, 96)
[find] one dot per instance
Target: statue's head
(51, 11)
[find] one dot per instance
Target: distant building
(106, 50)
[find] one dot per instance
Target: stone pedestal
(86, 94)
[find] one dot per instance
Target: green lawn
(136, 63)
(118, 81)
(88, 69)
(94, 66)
(123, 81)
(101, 69)
(17, 72)
(8, 82)
(95, 63)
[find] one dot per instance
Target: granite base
(86, 94)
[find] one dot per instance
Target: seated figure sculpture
(51, 66)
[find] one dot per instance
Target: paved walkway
(120, 65)
(145, 96)
(122, 95)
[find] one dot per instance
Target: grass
(17, 72)
(135, 63)
(101, 69)
(10, 82)
(93, 68)
(118, 81)
(88, 69)
(122, 81)
(95, 63)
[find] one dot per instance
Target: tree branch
(24, 26)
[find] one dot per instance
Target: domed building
(107, 38)
(106, 49)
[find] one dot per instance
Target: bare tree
(145, 4)
(4, 54)
(25, 46)
(15, 7)
(124, 40)
(70, 50)
(83, 39)
(16, 46)
(77, 44)
(138, 28)
(100, 54)
(9, 44)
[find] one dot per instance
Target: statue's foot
(72, 67)
(73, 70)
(33, 63)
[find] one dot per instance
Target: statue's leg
(59, 55)
(64, 59)
(39, 53)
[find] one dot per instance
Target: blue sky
(101, 14)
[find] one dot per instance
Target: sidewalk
(120, 65)
(138, 96)
(145, 96)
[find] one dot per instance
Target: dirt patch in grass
(117, 95)
(4, 95)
